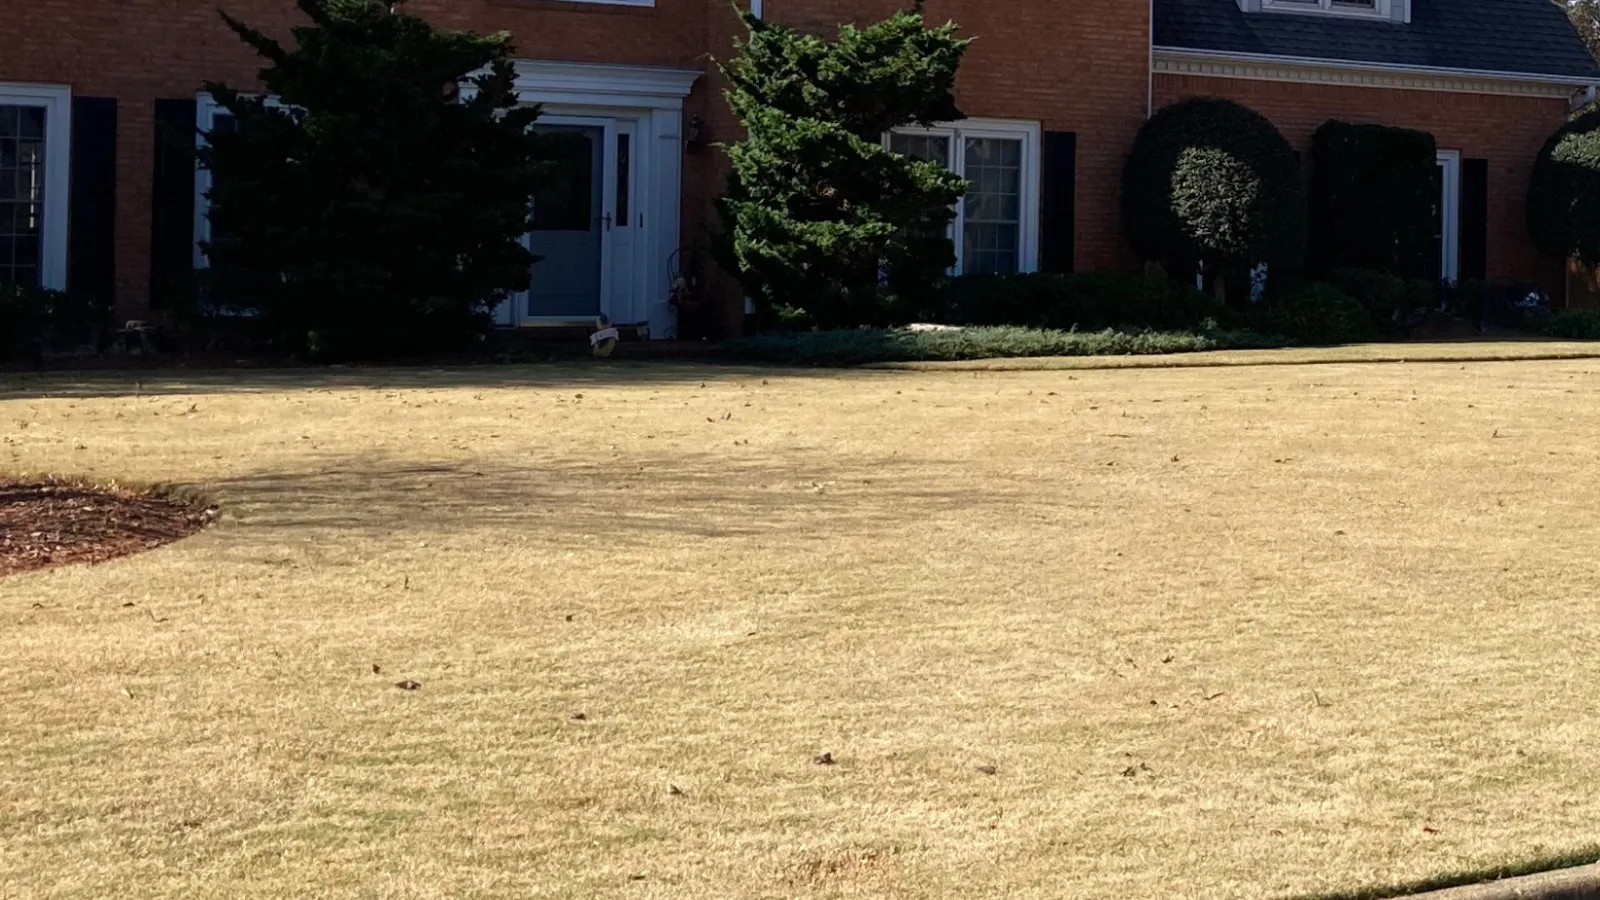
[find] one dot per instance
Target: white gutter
(1224, 56)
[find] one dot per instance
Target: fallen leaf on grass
(825, 759)
(987, 770)
(408, 685)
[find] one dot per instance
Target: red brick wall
(1506, 131)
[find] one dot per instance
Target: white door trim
(1449, 162)
(652, 99)
(56, 99)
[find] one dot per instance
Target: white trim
(591, 84)
(1450, 214)
(56, 99)
(1266, 67)
(1030, 134)
(652, 98)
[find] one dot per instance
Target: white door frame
(1449, 162)
(652, 100)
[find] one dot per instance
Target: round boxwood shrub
(1317, 313)
(1212, 184)
(1564, 191)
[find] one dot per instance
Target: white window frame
(1382, 9)
(1030, 134)
(206, 109)
(56, 99)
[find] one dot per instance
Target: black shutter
(1058, 205)
(92, 212)
(172, 212)
(1474, 264)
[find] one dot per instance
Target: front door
(569, 225)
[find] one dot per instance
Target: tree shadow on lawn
(625, 500)
(590, 373)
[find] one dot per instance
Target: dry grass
(1234, 632)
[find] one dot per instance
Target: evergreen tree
(363, 208)
(821, 219)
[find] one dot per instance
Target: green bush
(1373, 193)
(35, 320)
(820, 220)
(1212, 185)
(866, 345)
(1570, 324)
(1387, 298)
(373, 213)
(1563, 207)
(1317, 313)
(1089, 301)
(1466, 299)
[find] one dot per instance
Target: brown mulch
(56, 523)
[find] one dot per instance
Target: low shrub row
(860, 346)
(1092, 301)
(36, 320)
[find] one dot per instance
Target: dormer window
(1396, 10)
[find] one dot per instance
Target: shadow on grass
(628, 499)
(1584, 857)
(588, 373)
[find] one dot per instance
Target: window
(209, 117)
(996, 231)
(1376, 8)
(35, 152)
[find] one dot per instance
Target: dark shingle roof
(1522, 36)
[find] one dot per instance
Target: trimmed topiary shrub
(1317, 313)
(1212, 185)
(1564, 191)
(1374, 193)
(1087, 301)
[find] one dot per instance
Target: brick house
(92, 200)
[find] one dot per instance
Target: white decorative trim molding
(1254, 67)
(644, 87)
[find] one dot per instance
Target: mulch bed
(56, 523)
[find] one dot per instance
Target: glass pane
(31, 123)
(624, 142)
(21, 192)
(564, 203)
(992, 210)
(929, 147)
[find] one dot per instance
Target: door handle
(606, 219)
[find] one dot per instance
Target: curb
(1577, 883)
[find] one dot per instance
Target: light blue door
(568, 223)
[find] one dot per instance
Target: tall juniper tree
(820, 217)
(361, 206)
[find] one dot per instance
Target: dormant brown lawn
(1244, 632)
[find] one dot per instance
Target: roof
(1530, 37)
